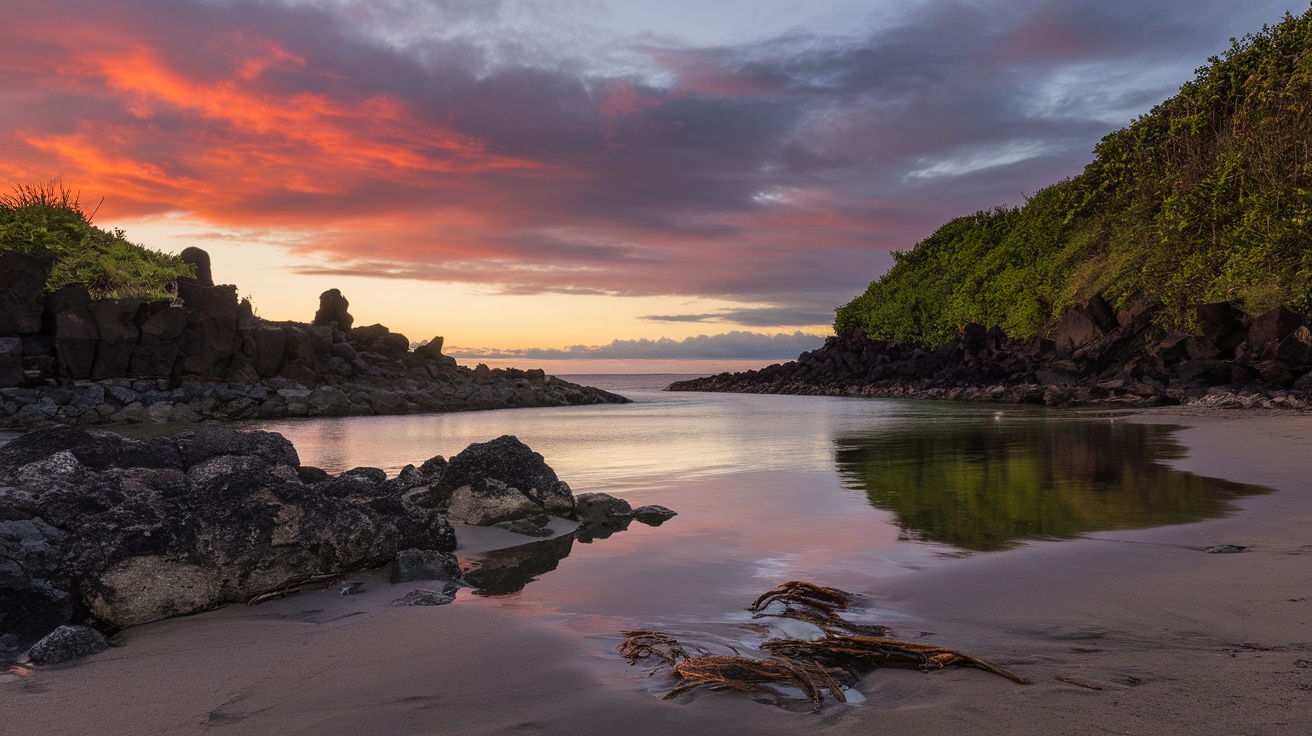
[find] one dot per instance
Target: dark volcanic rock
(211, 338)
(601, 508)
(653, 515)
(22, 291)
(378, 339)
(157, 347)
(67, 643)
(333, 309)
(428, 597)
(431, 350)
(200, 260)
(116, 326)
(98, 527)
(512, 463)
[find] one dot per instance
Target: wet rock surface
(1097, 357)
(67, 643)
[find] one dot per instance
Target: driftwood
(295, 585)
(824, 601)
(639, 645)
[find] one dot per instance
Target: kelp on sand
(832, 662)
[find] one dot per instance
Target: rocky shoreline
(67, 358)
(99, 532)
(1096, 356)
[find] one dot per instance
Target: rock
(374, 476)
(425, 564)
(200, 260)
(11, 361)
(1225, 549)
(76, 338)
(23, 296)
(431, 350)
(1267, 331)
(157, 347)
(487, 501)
(94, 449)
(601, 508)
(198, 445)
(1223, 325)
(211, 337)
(511, 462)
(428, 597)
(378, 339)
(653, 515)
(1084, 325)
(531, 526)
(333, 309)
(327, 401)
(115, 321)
(433, 467)
(265, 345)
(67, 643)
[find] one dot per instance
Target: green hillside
(1206, 198)
(48, 219)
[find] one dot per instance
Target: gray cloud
(730, 345)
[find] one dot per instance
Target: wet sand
(1178, 640)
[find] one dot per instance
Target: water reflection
(506, 571)
(983, 485)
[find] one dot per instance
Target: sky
(582, 185)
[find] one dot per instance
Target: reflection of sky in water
(660, 438)
(842, 492)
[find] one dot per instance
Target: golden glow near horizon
(465, 315)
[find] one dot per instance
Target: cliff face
(1097, 356)
(65, 357)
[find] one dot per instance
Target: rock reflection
(983, 485)
(506, 571)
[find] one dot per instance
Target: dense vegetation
(47, 218)
(1208, 197)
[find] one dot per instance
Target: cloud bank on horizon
(538, 147)
(736, 345)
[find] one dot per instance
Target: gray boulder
(487, 501)
(67, 643)
(428, 597)
(653, 515)
(601, 508)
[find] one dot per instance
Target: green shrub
(47, 218)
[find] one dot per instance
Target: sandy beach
(1148, 633)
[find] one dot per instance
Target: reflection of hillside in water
(982, 485)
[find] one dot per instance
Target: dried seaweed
(748, 675)
(877, 651)
(824, 601)
(638, 645)
(830, 663)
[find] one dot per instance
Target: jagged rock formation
(204, 355)
(1095, 356)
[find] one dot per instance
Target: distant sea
(628, 381)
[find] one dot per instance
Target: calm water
(770, 488)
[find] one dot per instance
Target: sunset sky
(656, 181)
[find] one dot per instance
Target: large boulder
(431, 350)
(1267, 331)
(510, 462)
(333, 309)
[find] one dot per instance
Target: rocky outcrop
(97, 528)
(333, 311)
(1227, 360)
(67, 358)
